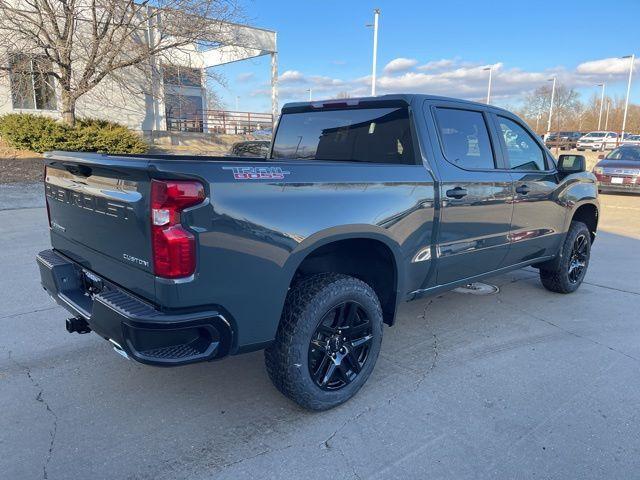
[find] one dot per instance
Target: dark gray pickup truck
(361, 204)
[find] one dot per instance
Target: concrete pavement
(520, 384)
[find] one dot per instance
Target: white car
(598, 141)
(630, 139)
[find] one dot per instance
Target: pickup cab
(361, 204)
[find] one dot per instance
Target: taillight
(174, 248)
(46, 199)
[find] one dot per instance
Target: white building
(173, 99)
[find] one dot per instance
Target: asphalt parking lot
(520, 384)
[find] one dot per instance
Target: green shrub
(33, 132)
(40, 134)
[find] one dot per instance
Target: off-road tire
(555, 275)
(287, 358)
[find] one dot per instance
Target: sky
(438, 47)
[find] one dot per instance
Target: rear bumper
(618, 187)
(145, 333)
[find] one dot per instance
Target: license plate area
(92, 283)
(617, 180)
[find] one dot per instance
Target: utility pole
(490, 68)
(626, 102)
(606, 122)
(601, 103)
(376, 15)
(310, 93)
(553, 95)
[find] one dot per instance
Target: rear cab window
(370, 135)
(465, 138)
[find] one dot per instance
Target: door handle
(523, 189)
(457, 192)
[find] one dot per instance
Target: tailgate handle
(79, 170)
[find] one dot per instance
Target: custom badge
(257, 173)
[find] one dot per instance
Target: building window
(184, 113)
(182, 76)
(32, 84)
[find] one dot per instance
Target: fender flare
(346, 232)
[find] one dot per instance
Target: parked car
(361, 206)
(630, 139)
(619, 171)
(251, 148)
(598, 141)
(563, 140)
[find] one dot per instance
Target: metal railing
(221, 122)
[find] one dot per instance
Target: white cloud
(437, 64)
(291, 76)
(606, 66)
(448, 77)
(400, 64)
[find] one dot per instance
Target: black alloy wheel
(340, 346)
(578, 259)
(327, 342)
(566, 272)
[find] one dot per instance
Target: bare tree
(567, 106)
(80, 43)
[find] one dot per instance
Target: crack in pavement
(37, 310)
(422, 375)
(11, 209)
(577, 335)
(612, 288)
(251, 457)
(40, 398)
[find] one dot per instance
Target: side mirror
(568, 164)
(600, 157)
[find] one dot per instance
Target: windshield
(374, 135)
(625, 153)
(595, 134)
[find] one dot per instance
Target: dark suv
(563, 140)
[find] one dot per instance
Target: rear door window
(465, 138)
(523, 152)
(371, 135)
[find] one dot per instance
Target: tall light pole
(601, 103)
(553, 96)
(310, 93)
(626, 102)
(490, 68)
(606, 121)
(376, 15)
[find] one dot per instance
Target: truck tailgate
(101, 206)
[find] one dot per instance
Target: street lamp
(490, 68)
(553, 95)
(601, 103)
(606, 121)
(626, 102)
(376, 15)
(309, 90)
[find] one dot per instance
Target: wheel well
(588, 214)
(366, 259)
